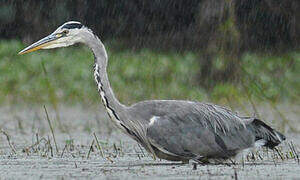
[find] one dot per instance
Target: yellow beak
(40, 44)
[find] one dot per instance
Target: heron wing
(200, 130)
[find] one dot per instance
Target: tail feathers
(265, 135)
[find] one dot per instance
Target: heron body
(169, 129)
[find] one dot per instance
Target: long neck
(113, 107)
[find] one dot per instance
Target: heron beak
(43, 43)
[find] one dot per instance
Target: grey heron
(174, 130)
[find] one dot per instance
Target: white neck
(113, 107)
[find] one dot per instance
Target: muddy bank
(28, 150)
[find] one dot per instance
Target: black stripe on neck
(98, 80)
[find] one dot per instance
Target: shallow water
(30, 152)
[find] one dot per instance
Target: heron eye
(65, 32)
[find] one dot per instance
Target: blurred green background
(228, 52)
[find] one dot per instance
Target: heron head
(65, 35)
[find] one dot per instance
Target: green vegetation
(65, 76)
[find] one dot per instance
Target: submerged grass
(65, 76)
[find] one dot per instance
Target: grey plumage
(168, 129)
(189, 130)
